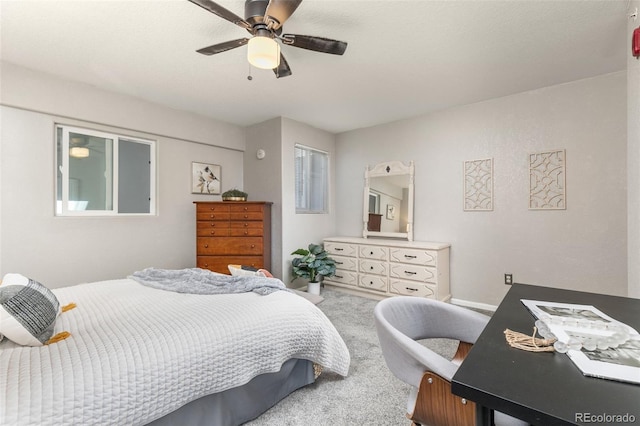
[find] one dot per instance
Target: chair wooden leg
(437, 406)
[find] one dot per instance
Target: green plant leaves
(314, 262)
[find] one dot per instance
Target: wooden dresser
(233, 232)
(385, 267)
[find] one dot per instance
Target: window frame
(62, 209)
(327, 179)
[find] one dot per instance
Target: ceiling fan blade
(279, 11)
(223, 47)
(318, 44)
(283, 69)
(216, 9)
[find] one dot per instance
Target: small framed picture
(205, 178)
(391, 211)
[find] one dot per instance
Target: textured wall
(582, 247)
(61, 251)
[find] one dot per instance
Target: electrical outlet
(508, 279)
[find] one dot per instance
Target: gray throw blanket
(203, 281)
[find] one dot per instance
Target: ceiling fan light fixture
(79, 152)
(263, 52)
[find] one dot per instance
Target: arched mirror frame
(389, 168)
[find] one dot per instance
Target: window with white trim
(103, 174)
(312, 180)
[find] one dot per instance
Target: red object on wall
(635, 43)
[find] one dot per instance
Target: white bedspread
(137, 353)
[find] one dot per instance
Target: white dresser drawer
(408, 288)
(374, 267)
(346, 263)
(413, 272)
(419, 257)
(374, 252)
(373, 282)
(345, 277)
(341, 249)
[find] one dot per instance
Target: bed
(138, 355)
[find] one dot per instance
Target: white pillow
(243, 270)
(28, 310)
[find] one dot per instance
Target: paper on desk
(583, 322)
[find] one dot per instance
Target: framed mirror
(388, 200)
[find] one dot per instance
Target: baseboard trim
(475, 305)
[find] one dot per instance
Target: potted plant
(313, 264)
(234, 195)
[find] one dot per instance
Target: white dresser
(386, 267)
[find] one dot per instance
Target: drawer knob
(206, 246)
(213, 224)
(371, 267)
(246, 232)
(253, 246)
(213, 216)
(245, 209)
(246, 224)
(213, 232)
(371, 253)
(206, 265)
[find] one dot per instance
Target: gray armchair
(400, 322)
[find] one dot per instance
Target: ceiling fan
(263, 19)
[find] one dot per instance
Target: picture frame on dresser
(205, 178)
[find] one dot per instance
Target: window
(100, 173)
(312, 177)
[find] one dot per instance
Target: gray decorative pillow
(28, 310)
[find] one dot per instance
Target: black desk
(543, 388)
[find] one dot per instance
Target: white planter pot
(313, 288)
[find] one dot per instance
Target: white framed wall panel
(547, 180)
(478, 185)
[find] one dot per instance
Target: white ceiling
(405, 57)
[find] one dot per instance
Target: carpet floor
(370, 394)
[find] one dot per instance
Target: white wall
(273, 179)
(299, 230)
(63, 251)
(633, 159)
(263, 179)
(583, 247)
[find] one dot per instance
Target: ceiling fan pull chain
(249, 76)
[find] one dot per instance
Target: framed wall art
(547, 180)
(205, 178)
(478, 185)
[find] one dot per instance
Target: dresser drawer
(241, 208)
(211, 228)
(373, 282)
(374, 267)
(419, 257)
(408, 288)
(211, 216)
(203, 208)
(221, 263)
(246, 216)
(374, 252)
(413, 273)
(229, 245)
(345, 277)
(245, 232)
(342, 249)
(348, 263)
